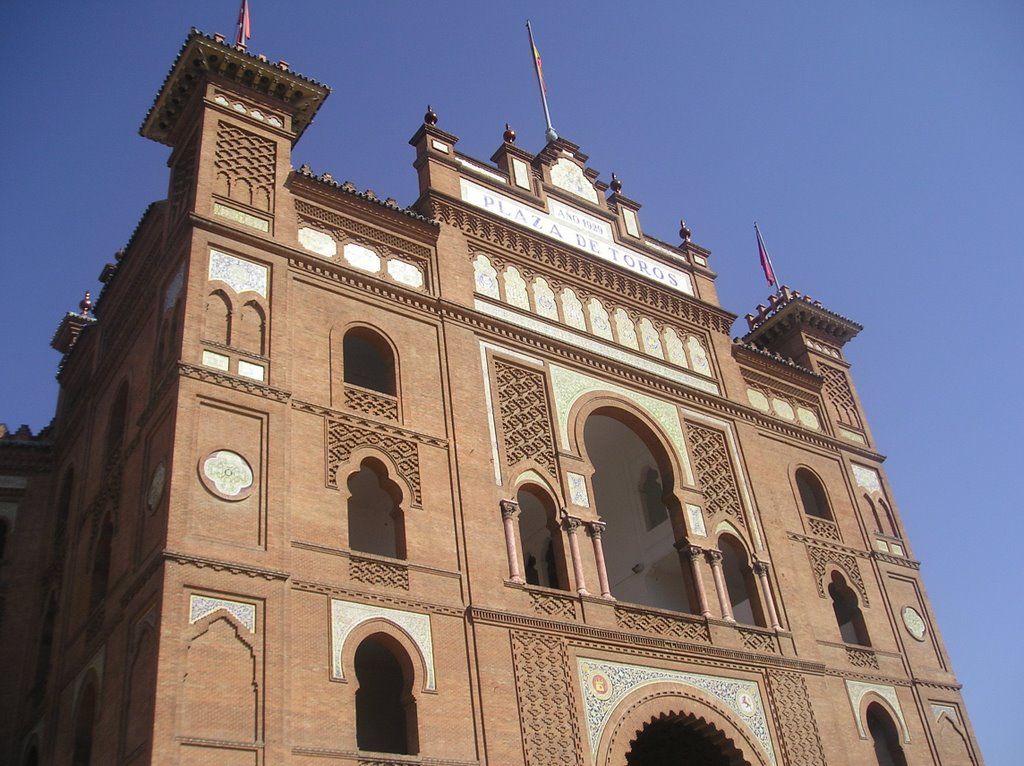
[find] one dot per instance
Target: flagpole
(549, 133)
(769, 268)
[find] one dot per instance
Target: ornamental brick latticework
(479, 482)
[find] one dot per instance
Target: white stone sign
(574, 228)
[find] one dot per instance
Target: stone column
(761, 570)
(571, 524)
(691, 556)
(595, 529)
(715, 560)
(509, 508)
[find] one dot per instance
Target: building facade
(481, 481)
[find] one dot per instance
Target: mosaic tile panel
(856, 691)
(202, 606)
(239, 274)
(605, 684)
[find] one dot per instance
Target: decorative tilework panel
(857, 689)
(202, 606)
(239, 274)
(346, 616)
(605, 684)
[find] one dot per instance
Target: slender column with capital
(595, 529)
(691, 555)
(761, 570)
(571, 524)
(508, 515)
(715, 560)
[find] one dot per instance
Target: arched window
(376, 523)
(632, 486)
(541, 537)
(45, 648)
(369, 361)
(251, 334)
(739, 581)
(100, 578)
(848, 614)
(385, 708)
(218, 318)
(85, 718)
(885, 736)
(116, 422)
(64, 500)
(812, 495)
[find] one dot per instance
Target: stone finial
(305, 169)
(85, 306)
(509, 135)
(684, 230)
(616, 184)
(430, 118)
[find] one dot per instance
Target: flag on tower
(766, 261)
(243, 24)
(549, 133)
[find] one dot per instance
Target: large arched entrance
(681, 740)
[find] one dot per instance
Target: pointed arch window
(376, 523)
(369, 361)
(385, 707)
(885, 737)
(541, 540)
(848, 615)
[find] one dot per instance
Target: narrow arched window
(812, 495)
(739, 581)
(116, 423)
(376, 523)
(848, 614)
(85, 718)
(100, 577)
(64, 500)
(885, 737)
(3, 538)
(218, 318)
(44, 649)
(369, 361)
(541, 538)
(385, 708)
(251, 334)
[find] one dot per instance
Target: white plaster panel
(319, 242)
(857, 689)
(346, 616)
(867, 478)
(238, 273)
(202, 606)
(569, 386)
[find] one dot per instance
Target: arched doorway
(682, 740)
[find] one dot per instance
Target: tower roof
(204, 55)
(789, 311)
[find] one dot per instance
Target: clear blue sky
(878, 144)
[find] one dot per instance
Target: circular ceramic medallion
(914, 622)
(156, 487)
(745, 702)
(226, 474)
(600, 686)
